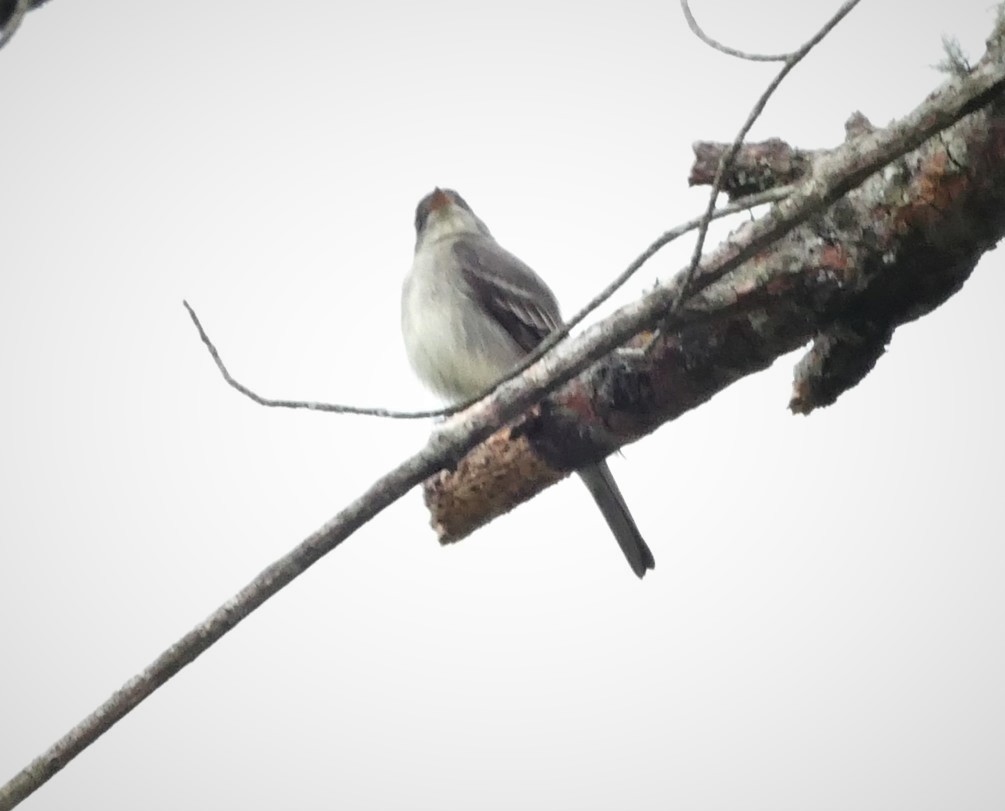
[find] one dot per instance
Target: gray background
(823, 629)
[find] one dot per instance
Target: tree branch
(860, 264)
(684, 367)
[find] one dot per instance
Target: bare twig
(790, 62)
(718, 46)
(304, 404)
(769, 196)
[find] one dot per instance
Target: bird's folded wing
(508, 291)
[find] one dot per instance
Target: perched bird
(470, 311)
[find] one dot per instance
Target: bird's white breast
(455, 348)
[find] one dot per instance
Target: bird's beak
(439, 200)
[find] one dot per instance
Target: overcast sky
(823, 628)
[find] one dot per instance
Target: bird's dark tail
(608, 497)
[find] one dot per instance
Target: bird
(470, 312)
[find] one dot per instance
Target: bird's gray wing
(508, 291)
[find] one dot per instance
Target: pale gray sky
(823, 626)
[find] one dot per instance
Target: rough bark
(886, 253)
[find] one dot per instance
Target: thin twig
(718, 46)
(727, 159)
(306, 404)
(769, 196)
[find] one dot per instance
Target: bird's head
(443, 213)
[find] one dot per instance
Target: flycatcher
(470, 311)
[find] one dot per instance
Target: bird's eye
(421, 215)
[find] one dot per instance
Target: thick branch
(880, 255)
